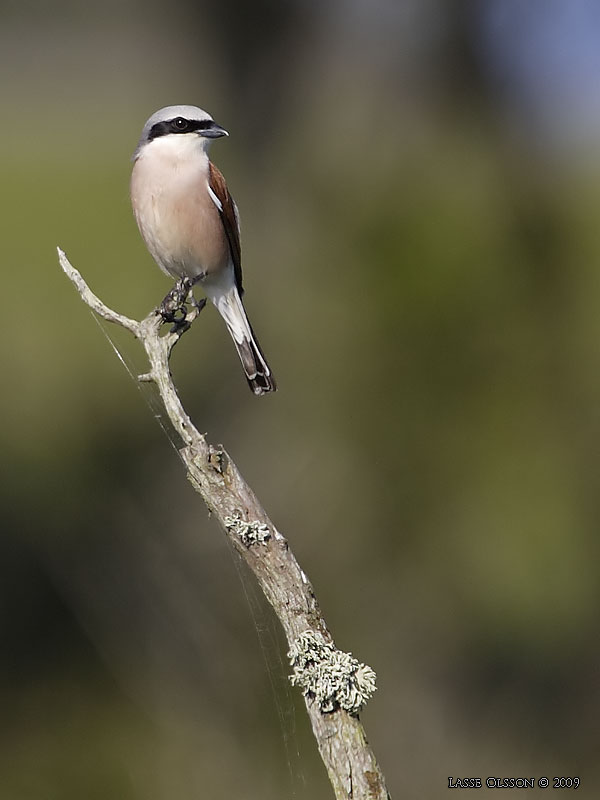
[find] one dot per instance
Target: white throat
(176, 148)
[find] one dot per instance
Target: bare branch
(90, 298)
(335, 685)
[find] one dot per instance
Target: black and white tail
(258, 372)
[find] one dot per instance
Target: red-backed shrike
(190, 222)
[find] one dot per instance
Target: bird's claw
(173, 307)
(198, 304)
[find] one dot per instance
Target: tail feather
(258, 372)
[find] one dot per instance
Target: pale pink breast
(177, 218)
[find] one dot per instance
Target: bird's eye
(180, 124)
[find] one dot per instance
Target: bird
(190, 224)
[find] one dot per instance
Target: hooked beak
(213, 131)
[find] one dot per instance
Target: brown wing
(229, 217)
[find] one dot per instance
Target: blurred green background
(420, 195)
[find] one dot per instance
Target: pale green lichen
(249, 532)
(331, 677)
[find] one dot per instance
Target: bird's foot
(173, 308)
(198, 304)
